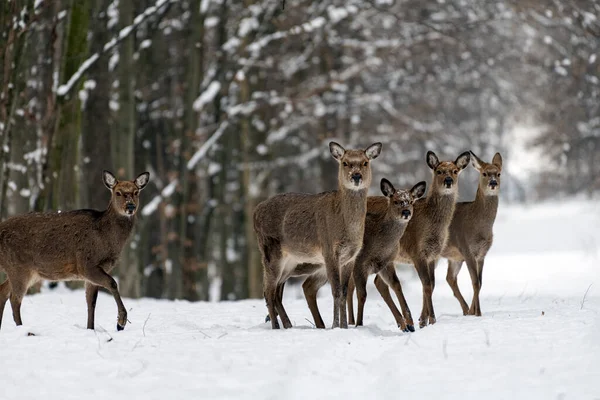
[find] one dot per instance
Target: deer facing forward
(470, 234)
(73, 245)
(324, 229)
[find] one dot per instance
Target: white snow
(207, 96)
(201, 152)
(537, 339)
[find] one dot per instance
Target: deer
(81, 244)
(470, 232)
(426, 234)
(387, 219)
(321, 232)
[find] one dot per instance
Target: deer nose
(130, 207)
(448, 182)
(356, 177)
(405, 214)
(493, 183)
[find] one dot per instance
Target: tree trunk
(122, 144)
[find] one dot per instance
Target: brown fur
(315, 229)
(387, 218)
(72, 245)
(427, 232)
(470, 233)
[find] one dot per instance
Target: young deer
(470, 235)
(427, 232)
(387, 218)
(72, 245)
(314, 230)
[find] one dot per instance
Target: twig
(144, 327)
(222, 335)
(310, 322)
(205, 335)
(584, 296)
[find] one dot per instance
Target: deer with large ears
(72, 245)
(387, 218)
(313, 230)
(427, 232)
(471, 231)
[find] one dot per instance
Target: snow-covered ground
(537, 339)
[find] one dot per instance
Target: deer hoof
(120, 327)
(267, 318)
(409, 328)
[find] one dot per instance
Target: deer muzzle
(405, 214)
(356, 178)
(130, 208)
(493, 184)
(448, 182)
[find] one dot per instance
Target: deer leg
(388, 275)
(422, 271)
(431, 270)
(280, 288)
(17, 292)
(350, 300)
(360, 281)
(311, 286)
(333, 275)
(384, 291)
(453, 270)
(345, 278)
(4, 294)
(480, 280)
(285, 320)
(97, 276)
(472, 266)
(91, 296)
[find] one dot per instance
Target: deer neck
(121, 225)
(353, 208)
(441, 206)
(485, 205)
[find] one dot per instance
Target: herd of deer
(343, 236)
(339, 237)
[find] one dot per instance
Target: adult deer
(387, 219)
(72, 245)
(427, 232)
(315, 230)
(471, 231)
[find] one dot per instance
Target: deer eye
(484, 174)
(439, 172)
(136, 192)
(455, 171)
(119, 193)
(498, 174)
(345, 164)
(365, 163)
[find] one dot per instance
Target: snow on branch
(207, 96)
(168, 190)
(201, 152)
(123, 34)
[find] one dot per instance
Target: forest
(228, 102)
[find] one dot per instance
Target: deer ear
(432, 160)
(109, 179)
(387, 188)
(142, 180)
(337, 151)
(373, 151)
(463, 160)
(418, 190)
(477, 163)
(497, 160)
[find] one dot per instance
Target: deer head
(401, 201)
(489, 173)
(355, 165)
(445, 173)
(125, 194)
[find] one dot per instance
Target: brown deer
(470, 234)
(72, 245)
(315, 230)
(427, 232)
(387, 218)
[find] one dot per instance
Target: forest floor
(539, 337)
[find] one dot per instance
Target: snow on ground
(536, 340)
